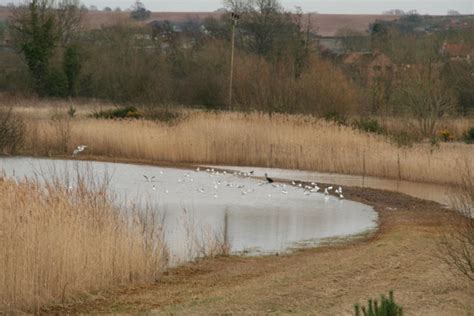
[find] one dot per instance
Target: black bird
(270, 180)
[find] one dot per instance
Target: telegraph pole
(235, 18)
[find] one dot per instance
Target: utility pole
(235, 18)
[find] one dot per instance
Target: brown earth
(402, 255)
(324, 24)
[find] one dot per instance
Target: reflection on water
(426, 191)
(199, 208)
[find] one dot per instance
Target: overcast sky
(321, 6)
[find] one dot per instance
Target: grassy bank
(57, 242)
(254, 139)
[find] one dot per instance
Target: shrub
(321, 90)
(446, 136)
(336, 117)
(130, 112)
(368, 125)
(12, 132)
(404, 138)
(469, 136)
(387, 307)
(162, 114)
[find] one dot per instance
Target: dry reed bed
(45, 109)
(256, 140)
(56, 242)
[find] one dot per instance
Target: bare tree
(422, 95)
(69, 20)
(396, 12)
(457, 246)
(263, 24)
(459, 75)
(453, 13)
(237, 6)
(412, 12)
(3, 28)
(353, 40)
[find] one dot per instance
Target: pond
(201, 207)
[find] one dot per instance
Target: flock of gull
(219, 181)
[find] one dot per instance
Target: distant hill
(326, 24)
(329, 24)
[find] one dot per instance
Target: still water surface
(199, 207)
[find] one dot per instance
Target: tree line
(278, 65)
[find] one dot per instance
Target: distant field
(325, 24)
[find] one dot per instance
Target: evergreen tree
(36, 36)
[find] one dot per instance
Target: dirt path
(325, 281)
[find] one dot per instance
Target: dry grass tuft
(56, 242)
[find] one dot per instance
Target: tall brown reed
(57, 241)
(254, 139)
